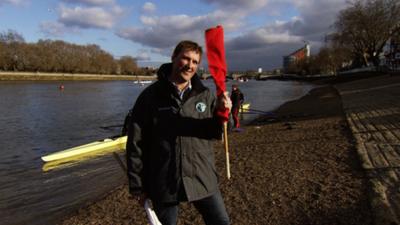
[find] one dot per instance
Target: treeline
(62, 57)
(361, 32)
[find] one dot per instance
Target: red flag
(217, 63)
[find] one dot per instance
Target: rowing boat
(244, 107)
(77, 159)
(106, 144)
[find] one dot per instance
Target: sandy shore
(298, 168)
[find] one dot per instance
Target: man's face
(185, 64)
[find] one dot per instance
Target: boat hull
(116, 143)
(244, 107)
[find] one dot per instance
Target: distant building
(393, 53)
(296, 56)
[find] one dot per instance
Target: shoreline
(299, 168)
(39, 76)
(45, 76)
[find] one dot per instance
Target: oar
(259, 111)
(111, 126)
(214, 38)
(121, 164)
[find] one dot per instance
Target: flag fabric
(217, 63)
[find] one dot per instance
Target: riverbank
(300, 167)
(332, 79)
(39, 76)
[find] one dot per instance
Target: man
(170, 153)
(237, 99)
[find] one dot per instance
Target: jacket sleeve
(217, 127)
(127, 123)
(136, 146)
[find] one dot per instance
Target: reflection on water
(37, 119)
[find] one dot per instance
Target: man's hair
(187, 46)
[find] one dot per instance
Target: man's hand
(224, 102)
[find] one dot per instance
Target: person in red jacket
(237, 99)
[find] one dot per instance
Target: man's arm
(135, 147)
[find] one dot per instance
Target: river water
(38, 118)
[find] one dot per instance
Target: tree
(366, 26)
(59, 56)
(128, 65)
(11, 36)
(101, 61)
(11, 42)
(332, 58)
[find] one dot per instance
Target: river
(38, 118)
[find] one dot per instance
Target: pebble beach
(299, 165)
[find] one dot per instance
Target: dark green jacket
(170, 141)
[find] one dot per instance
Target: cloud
(317, 16)
(265, 46)
(148, 20)
(91, 2)
(13, 2)
(166, 31)
(56, 29)
(52, 29)
(89, 17)
(260, 38)
(248, 45)
(149, 7)
(266, 57)
(262, 47)
(143, 55)
(239, 4)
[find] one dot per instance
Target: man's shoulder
(152, 87)
(149, 92)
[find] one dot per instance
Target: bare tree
(128, 65)
(332, 58)
(366, 26)
(101, 61)
(11, 36)
(11, 42)
(59, 56)
(2, 56)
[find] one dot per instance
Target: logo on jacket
(201, 107)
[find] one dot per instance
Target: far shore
(44, 76)
(39, 76)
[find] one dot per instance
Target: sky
(258, 33)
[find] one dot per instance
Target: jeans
(212, 209)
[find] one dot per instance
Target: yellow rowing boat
(106, 144)
(245, 107)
